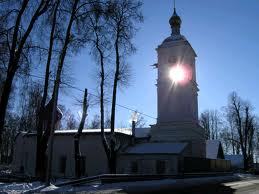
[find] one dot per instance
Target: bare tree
(99, 40)
(95, 122)
(57, 84)
(211, 121)
(77, 13)
(40, 153)
(224, 137)
(71, 122)
(107, 121)
(232, 132)
(256, 146)
(10, 131)
(16, 39)
(141, 122)
(122, 17)
(244, 121)
(30, 104)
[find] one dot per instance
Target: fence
(192, 165)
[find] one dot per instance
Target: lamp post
(134, 119)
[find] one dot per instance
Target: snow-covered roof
(126, 131)
(212, 149)
(236, 160)
(156, 148)
(139, 132)
(142, 132)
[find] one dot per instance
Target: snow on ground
(105, 188)
(116, 187)
(245, 176)
(19, 187)
(139, 186)
(240, 184)
(28, 187)
(237, 181)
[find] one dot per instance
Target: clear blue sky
(225, 36)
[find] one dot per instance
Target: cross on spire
(175, 22)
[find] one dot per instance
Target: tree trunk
(78, 135)
(15, 55)
(104, 140)
(115, 83)
(113, 160)
(10, 73)
(4, 101)
(113, 109)
(246, 166)
(40, 154)
(52, 130)
(56, 88)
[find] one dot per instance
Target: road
(211, 185)
(248, 186)
(245, 186)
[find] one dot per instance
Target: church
(175, 144)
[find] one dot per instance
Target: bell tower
(177, 92)
(176, 84)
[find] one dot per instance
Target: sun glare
(177, 74)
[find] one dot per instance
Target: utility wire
(78, 89)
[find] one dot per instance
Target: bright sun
(177, 74)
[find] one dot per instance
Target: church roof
(156, 148)
(139, 132)
(177, 40)
(214, 149)
(174, 38)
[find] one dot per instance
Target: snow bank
(139, 186)
(20, 187)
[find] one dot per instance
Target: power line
(79, 89)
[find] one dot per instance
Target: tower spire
(175, 22)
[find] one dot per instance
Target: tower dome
(175, 22)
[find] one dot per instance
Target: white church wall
(24, 154)
(63, 154)
(195, 137)
(17, 153)
(91, 148)
(175, 103)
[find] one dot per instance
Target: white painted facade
(63, 163)
(177, 103)
(177, 109)
(177, 125)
